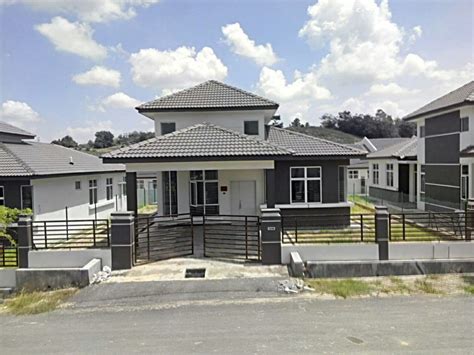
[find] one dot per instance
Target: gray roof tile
(405, 149)
(200, 140)
(305, 145)
(208, 95)
(464, 94)
(34, 158)
(9, 129)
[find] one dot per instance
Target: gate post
(382, 231)
(24, 240)
(271, 236)
(122, 240)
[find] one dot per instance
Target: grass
(341, 288)
(37, 302)
(148, 209)
(426, 287)
(469, 289)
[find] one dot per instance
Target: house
(392, 173)
(358, 170)
(215, 153)
(445, 150)
(49, 178)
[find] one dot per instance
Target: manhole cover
(195, 273)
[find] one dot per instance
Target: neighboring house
(392, 173)
(445, 150)
(215, 154)
(358, 171)
(48, 178)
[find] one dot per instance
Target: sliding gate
(162, 237)
(232, 237)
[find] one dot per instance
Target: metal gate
(236, 237)
(163, 237)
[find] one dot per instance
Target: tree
(66, 141)
(132, 138)
(329, 121)
(103, 139)
(405, 129)
(296, 123)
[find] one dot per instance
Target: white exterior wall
(233, 120)
(383, 173)
(52, 195)
(354, 185)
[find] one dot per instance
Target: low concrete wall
(68, 258)
(427, 250)
(54, 278)
(7, 278)
(324, 252)
(327, 269)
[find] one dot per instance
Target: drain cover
(195, 273)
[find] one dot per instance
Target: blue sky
(74, 67)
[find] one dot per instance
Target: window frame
(422, 183)
(93, 188)
(21, 196)
(305, 179)
(162, 124)
(464, 188)
(2, 196)
(375, 169)
(250, 122)
(194, 189)
(109, 188)
(464, 124)
(76, 184)
(422, 132)
(389, 174)
(353, 174)
(123, 186)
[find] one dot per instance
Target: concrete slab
(174, 269)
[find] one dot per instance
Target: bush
(9, 216)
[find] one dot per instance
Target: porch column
(271, 236)
(122, 240)
(24, 240)
(131, 179)
(382, 231)
(270, 187)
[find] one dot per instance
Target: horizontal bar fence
(329, 228)
(8, 253)
(427, 226)
(232, 236)
(71, 234)
(163, 237)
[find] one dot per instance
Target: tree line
(105, 139)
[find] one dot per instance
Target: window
(2, 196)
(422, 131)
(170, 193)
(464, 124)
(168, 127)
(464, 184)
(77, 185)
(305, 184)
(27, 196)
(389, 175)
(422, 183)
(375, 174)
(251, 128)
(204, 192)
(109, 188)
(92, 191)
(353, 174)
(123, 186)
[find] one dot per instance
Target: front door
(242, 196)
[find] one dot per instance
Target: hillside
(327, 133)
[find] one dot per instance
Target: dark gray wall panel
(443, 174)
(329, 178)
(442, 150)
(383, 194)
(441, 195)
(446, 123)
(13, 192)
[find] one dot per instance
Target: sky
(74, 67)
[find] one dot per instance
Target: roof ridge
(404, 145)
(17, 158)
(242, 91)
(320, 139)
(173, 94)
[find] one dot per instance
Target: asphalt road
(239, 322)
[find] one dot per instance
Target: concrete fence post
(25, 241)
(122, 240)
(271, 236)
(469, 219)
(382, 231)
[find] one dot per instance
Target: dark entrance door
(404, 179)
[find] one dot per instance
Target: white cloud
(87, 131)
(175, 69)
(390, 89)
(295, 97)
(416, 33)
(72, 37)
(89, 10)
(19, 114)
(98, 75)
(241, 44)
(119, 100)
